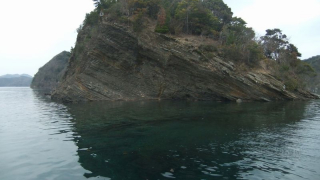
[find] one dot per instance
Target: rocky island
(139, 50)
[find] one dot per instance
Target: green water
(157, 139)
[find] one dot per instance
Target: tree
(238, 42)
(151, 7)
(103, 4)
(183, 11)
(219, 9)
(162, 17)
(273, 43)
(237, 32)
(276, 46)
(196, 17)
(97, 3)
(162, 25)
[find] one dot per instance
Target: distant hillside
(314, 62)
(49, 75)
(313, 83)
(15, 75)
(15, 80)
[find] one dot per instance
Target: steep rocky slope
(110, 62)
(49, 76)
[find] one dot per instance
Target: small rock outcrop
(115, 63)
(49, 76)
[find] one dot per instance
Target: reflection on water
(198, 140)
(157, 140)
(36, 138)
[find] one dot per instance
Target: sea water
(41, 139)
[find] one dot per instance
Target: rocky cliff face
(49, 76)
(112, 63)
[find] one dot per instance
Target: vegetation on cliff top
(210, 19)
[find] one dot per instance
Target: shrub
(284, 68)
(91, 18)
(138, 20)
(232, 52)
(291, 84)
(162, 29)
(208, 48)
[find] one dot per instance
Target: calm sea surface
(41, 139)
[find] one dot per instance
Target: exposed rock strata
(116, 64)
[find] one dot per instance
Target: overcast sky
(33, 31)
(299, 20)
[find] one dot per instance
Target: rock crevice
(116, 64)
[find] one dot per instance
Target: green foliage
(79, 28)
(213, 19)
(114, 13)
(313, 80)
(249, 53)
(284, 68)
(196, 17)
(254, 53)
(291, 70)
(208, 18)
(151, 7)
(314, 62)
(276, 46)
(103, 4)
(238, 42)
(305, 68)
(291, 84)
(91, 18)
(123, 19)
(162, 26)
(138, 20)
(208, 48)
(273, 42)
(210, 55)
(236, 32)
(232, 52)
(201, 17)
(219, 9)
(162, 29)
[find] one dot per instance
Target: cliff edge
(49, 76)
(111, 62)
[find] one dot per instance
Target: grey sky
(34, 31)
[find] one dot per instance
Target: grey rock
(116, 64)
(49, 76)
